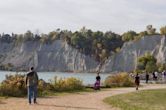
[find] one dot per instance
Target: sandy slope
(79, 101)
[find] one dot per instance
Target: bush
(163, 30)
(68, 84)
(44, 88)
(13, 85)
(119, 80)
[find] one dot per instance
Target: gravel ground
(75, 101)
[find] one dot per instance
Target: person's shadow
(2, 102)
(65, 106)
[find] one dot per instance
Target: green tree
(52, 35)
(44, 38)
(150, 30)
(143, 33)
(128, 36)
(151, 66)
(28, 36)
(19, 38)
(163, 30)
(147, 62)
(161, 67)
(112, 41)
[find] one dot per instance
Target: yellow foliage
(67, 84)
(119, 80)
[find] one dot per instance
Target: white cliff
(126, 59)
(59, 56)
(55, 56)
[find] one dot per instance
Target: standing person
(32, 83)
(147, 77)
(137, 81)
(164, 76)
(154, 76)
(97, 83)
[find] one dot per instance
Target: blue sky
(119, 16)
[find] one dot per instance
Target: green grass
(141, 100)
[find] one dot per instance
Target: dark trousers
(147, 79)
(32, 93)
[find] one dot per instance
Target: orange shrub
(119, 80)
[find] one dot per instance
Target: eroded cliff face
(126, 59)
(55, 56)
(59, 56)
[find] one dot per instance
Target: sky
(44, 16)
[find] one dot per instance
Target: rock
(59, 56)
(55, 56)
(126, 59)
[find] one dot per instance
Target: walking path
(76, 101)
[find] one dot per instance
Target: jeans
(32, 92)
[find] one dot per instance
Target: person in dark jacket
(137, 81)
(147, 77)
(32, 83)
(154, 76)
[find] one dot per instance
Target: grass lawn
(140, 100)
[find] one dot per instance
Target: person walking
(137, 81)
(154, 76)
(32, 83)
(164, 76)
(147, 77)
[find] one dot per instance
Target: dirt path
(79, 101)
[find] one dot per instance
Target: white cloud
(47, 15)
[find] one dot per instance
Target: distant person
(32, 83)
(97, 83)
(154, 76)
(147, 77)
(164, 76)
(163, 79)
(137, 81)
